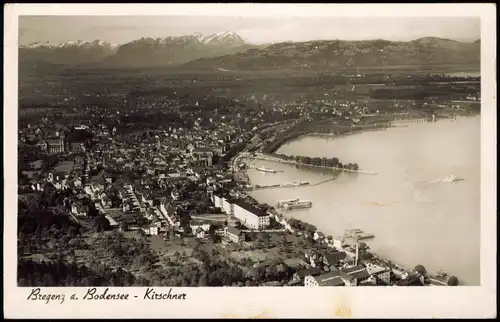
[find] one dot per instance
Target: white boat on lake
(451, 178)
(266, 169)
(447, 179)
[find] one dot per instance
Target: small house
(234, 234)
(301, 274)
(355, 275)
(332, 259)
(381, 274)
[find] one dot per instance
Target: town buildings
(328, 279)
(250, 216)
(382, 274)
(233, 234)
(351, 276)
(300, 275)
(54, 144)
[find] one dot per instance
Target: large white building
(249, 216)
(224, 203)
(352, 276)
(217, 200)
(227, 206)
(327, 279)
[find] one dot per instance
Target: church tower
(62, 141)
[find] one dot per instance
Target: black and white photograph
(168, 152)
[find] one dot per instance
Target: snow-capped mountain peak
(79, 43)
(38, 45)
(178, 49)
(72, 43)
(199, 36)
(225, 36)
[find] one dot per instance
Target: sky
(256, 30)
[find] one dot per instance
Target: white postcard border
(467, 301)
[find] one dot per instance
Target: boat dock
(301, 204)
(283, 185)
(358, 234)
(280, 203)
(294, 204)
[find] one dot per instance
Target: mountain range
(69, 53)
(333, 54)
(143, 52)
(228, 51)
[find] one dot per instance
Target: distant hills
(329, 54)
(228, 51)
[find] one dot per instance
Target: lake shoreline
(332, 135)
(381, 126)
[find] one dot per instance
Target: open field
(121, 81)
(291, 254)
(180, 70)
(169, 247)
(114, 86)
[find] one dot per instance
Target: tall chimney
(357, 253)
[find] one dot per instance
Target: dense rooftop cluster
(161, 164)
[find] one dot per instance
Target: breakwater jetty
(283, 185)
(264, 169)
(302, 184)
(324, 181)
(270, 158)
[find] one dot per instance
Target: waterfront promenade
(409, 119)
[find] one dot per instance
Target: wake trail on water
(421, 184)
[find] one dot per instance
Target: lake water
(414, 221)
(464, 74)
